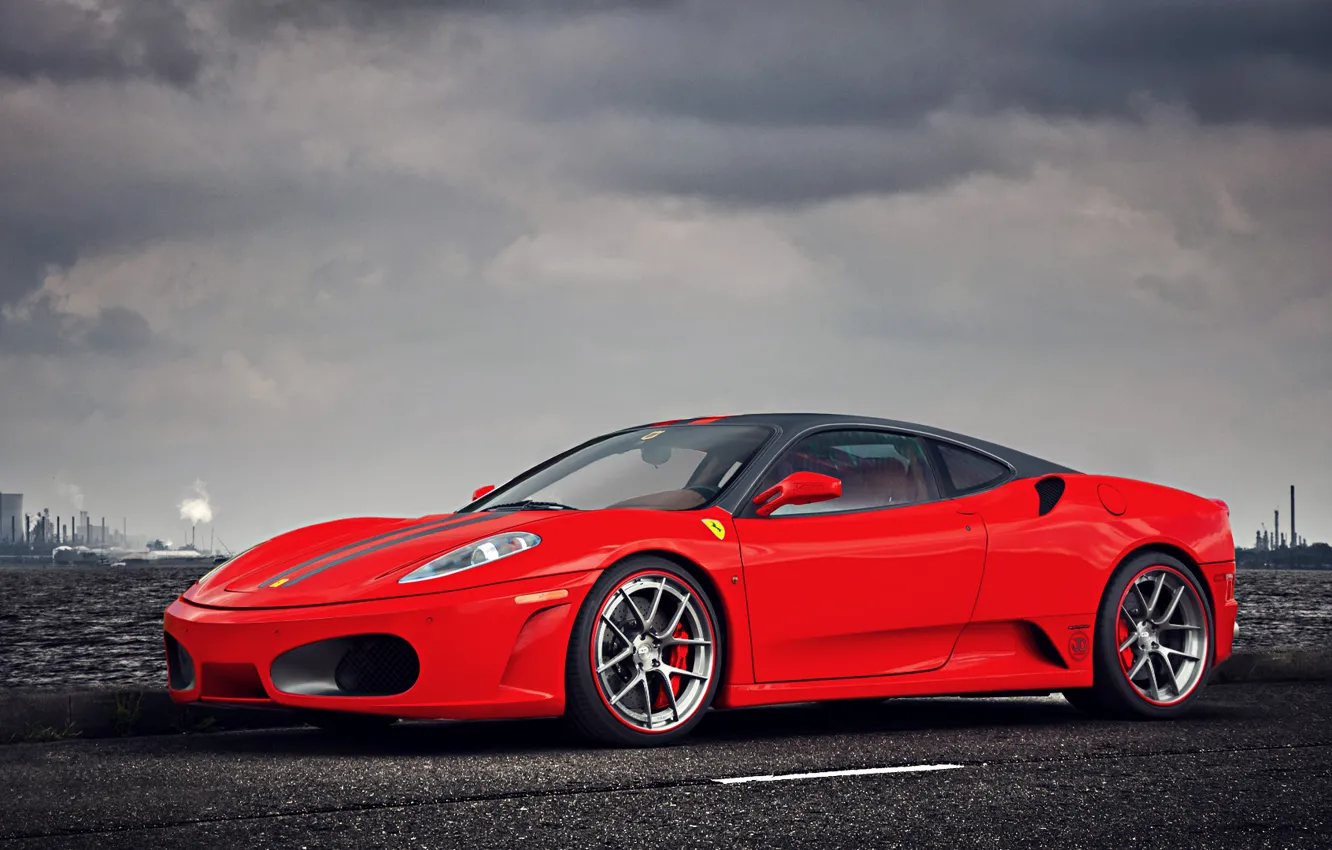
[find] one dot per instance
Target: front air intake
(353, 666)
(1049, 491)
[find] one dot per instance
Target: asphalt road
(1251, 768)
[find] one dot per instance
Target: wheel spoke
(675, 641)
(677, 671)
(1127, 616)
(1132, 639)
(1165, 650)
(1174, 603)
(1179, 627)
(1146, 610)
(1137, 665)
(637, 613)
(615, 700)
(670, 694)
(1170, 668)
(1151, 670)
(656, 600)
(1165, 659)
(617, 630)
(616, 660)
(647, 700)
(679, 613)
(1156, 595)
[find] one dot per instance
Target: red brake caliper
(1121, 635)
(679, 657)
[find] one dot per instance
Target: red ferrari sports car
(647, 575)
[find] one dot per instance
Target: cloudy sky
(337, 257)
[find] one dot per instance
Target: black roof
(794, 424)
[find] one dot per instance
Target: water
(66, 626)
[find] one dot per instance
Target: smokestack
(1293, 539)
(1276, 526)
(27, 529)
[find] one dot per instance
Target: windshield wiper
(533, 505)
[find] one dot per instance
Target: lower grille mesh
(377, 665)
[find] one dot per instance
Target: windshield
(670, 468)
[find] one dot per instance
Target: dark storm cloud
(60, 217)
(784, 167)
(801, 64)
(58, 40)
(257, 16)
(115, 331)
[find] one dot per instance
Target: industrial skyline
(43, 531)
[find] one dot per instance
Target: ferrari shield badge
(716, 528)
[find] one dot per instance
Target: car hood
(349, 560)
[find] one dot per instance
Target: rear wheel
(1153, 645)
(644, 659)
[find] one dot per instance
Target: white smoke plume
(196, 509)
(71, 492)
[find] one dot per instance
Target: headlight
(473, 555)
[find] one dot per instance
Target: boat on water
(114, 557)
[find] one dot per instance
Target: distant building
(11, 517)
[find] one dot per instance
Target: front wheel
(1153, 644)
(644, 659)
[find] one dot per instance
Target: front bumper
(486, 652)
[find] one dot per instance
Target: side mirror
(481, 491)
(798, 488)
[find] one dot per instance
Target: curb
(1275, 665)
(38, 716)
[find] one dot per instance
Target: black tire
(1111, 693)
(348, 724)
(586, 710)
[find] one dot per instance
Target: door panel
(869, 593)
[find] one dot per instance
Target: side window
(877, 469)
(968, 471)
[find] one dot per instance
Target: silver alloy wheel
(1162, 636)
(653, 635)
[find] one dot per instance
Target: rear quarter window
(967, 471)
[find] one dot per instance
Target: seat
(883, 481)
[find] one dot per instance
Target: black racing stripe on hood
(385, 545)
(434, 525)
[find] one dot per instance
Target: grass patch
(127, 712)
(44, 734)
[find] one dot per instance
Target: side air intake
(1050, 490)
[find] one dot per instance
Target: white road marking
(864, 771)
